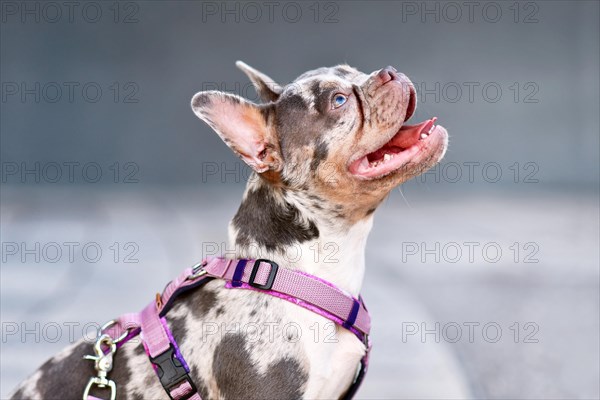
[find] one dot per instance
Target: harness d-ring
(108, 325)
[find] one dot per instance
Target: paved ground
(460, 310)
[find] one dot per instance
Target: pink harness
(300, 288)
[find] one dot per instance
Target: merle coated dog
(325, 151)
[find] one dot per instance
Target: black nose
(387, 74)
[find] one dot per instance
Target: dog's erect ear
(267, 88)
(242, 125)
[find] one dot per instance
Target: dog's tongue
(409, 134)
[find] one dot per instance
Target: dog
(325, 151)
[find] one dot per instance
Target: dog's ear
(243, 126)
(267, 88)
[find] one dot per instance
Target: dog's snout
(387, 74)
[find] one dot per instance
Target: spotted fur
(301, 209)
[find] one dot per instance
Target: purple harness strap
(300, 288)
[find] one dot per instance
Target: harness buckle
(171, 372)
(269, 283)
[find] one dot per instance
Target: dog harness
(262, 275)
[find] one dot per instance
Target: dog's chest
(244, 343)
(237, 343)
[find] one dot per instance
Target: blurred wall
(111, 84)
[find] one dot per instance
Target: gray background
(173, 194)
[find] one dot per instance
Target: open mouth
(409, 141)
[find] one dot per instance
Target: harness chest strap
(305, 290)
(298, 287)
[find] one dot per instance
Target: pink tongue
(409, 134)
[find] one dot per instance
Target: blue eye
(339, 100)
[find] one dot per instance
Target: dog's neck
(298, 232)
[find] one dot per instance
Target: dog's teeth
(387, 157)
(423, 135)
(431, 129)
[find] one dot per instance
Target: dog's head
(336, 134)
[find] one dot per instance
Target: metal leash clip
(103, 363)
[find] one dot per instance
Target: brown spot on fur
(299, 129)
(320, 154)
(264, 220)
(138, 350)
(200, 302)
(177, 325)
(238, 378)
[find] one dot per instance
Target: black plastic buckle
(269, 283)
(171, 372)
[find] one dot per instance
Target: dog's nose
(387, 74)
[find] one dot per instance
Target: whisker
(404, 197)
